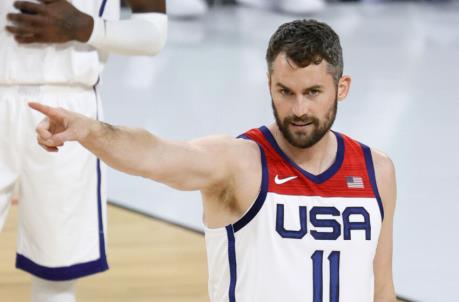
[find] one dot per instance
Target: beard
(317, 128)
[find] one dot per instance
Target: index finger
(50, 112)
(30, 7)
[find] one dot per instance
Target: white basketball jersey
(307, 238)
(71, 63)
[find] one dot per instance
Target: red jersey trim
(350, 176)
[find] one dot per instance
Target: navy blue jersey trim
(255, 208)
(61, 273)
(232, 263)
(96, 96)
(99, 193)
(102, 8)
(372, 176)
(99, 214)
(318, 179)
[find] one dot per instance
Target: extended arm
(385, 177)
(58, 21)
(194, 165)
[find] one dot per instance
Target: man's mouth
(301, 124)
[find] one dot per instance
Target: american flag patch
(354, 182)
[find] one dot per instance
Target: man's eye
(285, 92)
(314, 92)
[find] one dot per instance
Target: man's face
(304, 100)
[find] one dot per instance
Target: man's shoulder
(382, 163)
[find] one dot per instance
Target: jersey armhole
(259, 201)
(372, 176)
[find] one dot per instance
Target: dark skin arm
(58, 21)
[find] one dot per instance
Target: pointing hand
(59, 126)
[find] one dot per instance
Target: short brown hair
(305, 42)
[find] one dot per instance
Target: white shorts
(62, 205)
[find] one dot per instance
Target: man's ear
(344, 85)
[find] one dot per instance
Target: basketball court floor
(149, 261)
(211, 79)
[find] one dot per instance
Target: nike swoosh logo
(280, 181)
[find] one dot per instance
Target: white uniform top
(71, 63)
(307, 238)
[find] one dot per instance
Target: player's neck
(315, 159)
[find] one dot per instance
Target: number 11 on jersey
(317, 276)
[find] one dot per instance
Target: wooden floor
(149, 261)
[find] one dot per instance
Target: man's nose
(301, 107)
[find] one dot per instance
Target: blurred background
(403, 57)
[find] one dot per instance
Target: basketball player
(53, 51)
(293, 211)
